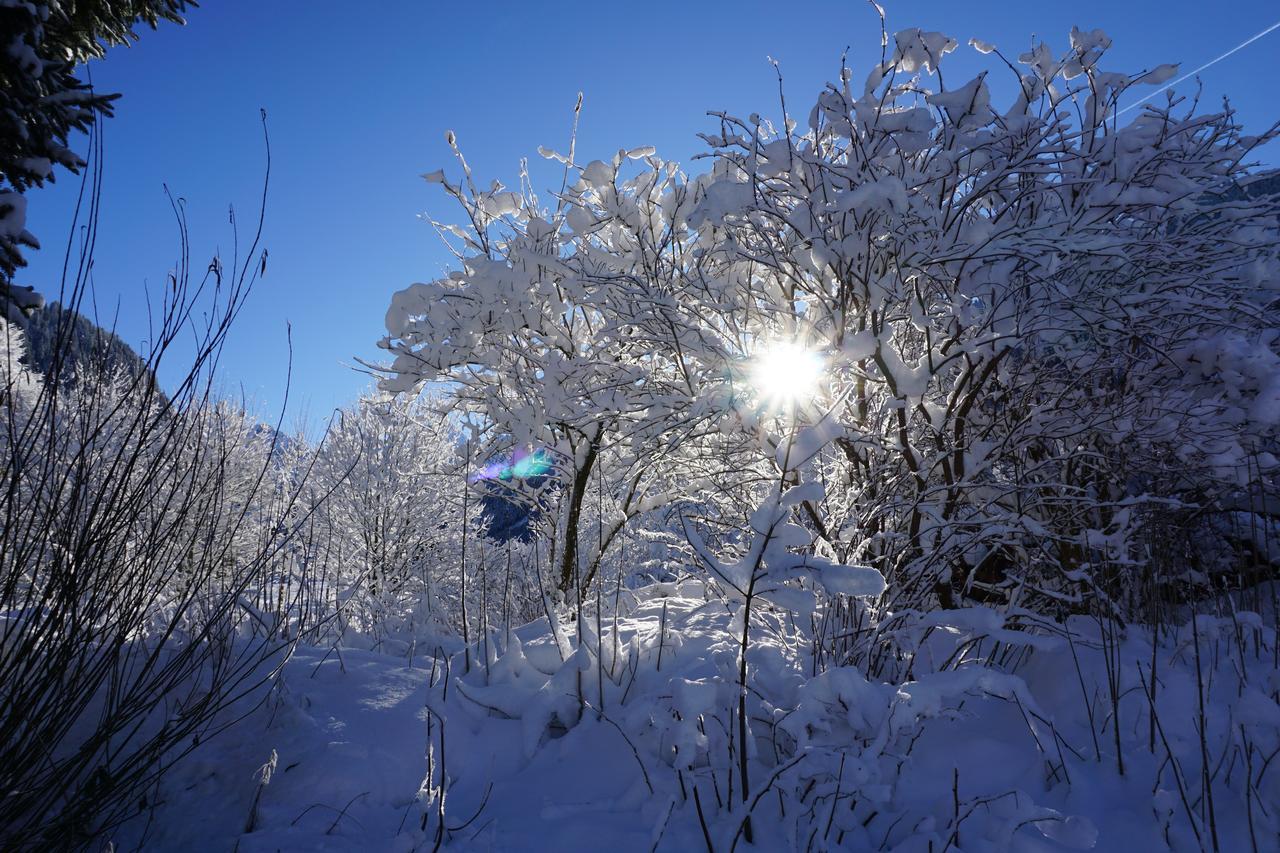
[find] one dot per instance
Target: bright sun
(786, 374)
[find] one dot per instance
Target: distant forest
(82, 345)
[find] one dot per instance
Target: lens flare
(522, 464)
(786, 374)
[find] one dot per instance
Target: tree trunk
(581, 478)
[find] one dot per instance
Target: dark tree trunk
(581, 479)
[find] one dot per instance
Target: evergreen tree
(42, 100)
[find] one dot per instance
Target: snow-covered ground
(343, 732)
(547, 745)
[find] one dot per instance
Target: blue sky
(359, 97)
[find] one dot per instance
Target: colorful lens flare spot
(522, 465)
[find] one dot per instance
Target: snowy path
(350, 752)
(350, 757)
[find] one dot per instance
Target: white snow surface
(986, 745)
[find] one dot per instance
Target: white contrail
(1241, 46)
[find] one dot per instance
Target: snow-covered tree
(1024, 317)
(387, 484)
(567, 332)
(1027, 315)
(43, 102)
(18, 384)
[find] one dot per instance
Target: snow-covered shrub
(395, 551)
(998, 738)
(133, 531)
(387, 486)
(1041, 325)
